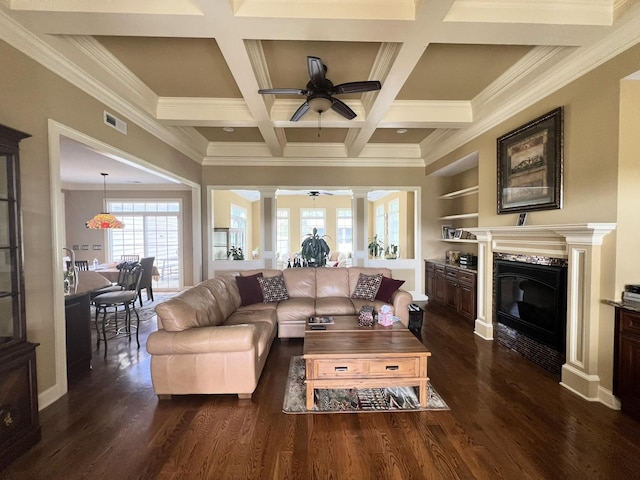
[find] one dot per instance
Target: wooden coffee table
(364, 357)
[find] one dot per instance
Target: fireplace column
(580, 372)
(484, 297)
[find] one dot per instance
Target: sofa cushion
(240, 317)
(332, 282)
(273, 289)
(300, 282)
(334, 306)
(195, 307)
(225, 291)
(367, 286)
(296, 309)
(388, 286)
(249, 288)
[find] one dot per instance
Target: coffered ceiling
(189, 70)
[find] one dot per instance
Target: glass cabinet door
(11, 283)
(220, 243)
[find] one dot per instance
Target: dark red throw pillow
(387, 287)
(250, 291)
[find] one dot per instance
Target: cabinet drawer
(451, 273)
(629, 322)
(334, 368)
(440, 269)
(371, 367)
(466, 277)
(394, 367)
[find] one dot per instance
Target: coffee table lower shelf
(419, 383)
(381, 372)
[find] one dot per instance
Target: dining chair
(82, 265)
(130, 258)
(147, 277)
(123, 283)
(126, 299)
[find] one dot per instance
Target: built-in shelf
(460, 193)
(460, 216)
(458, 240)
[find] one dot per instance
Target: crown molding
(54, 60)
(133, 86)
(315, 162)
(576, 64)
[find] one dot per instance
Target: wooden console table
(365, 359)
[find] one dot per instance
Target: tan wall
(81, 205)
(592, 170)
(29, 96)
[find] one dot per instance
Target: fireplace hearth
(530, 307)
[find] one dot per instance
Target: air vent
(115, 122)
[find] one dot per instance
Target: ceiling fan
(320, 91)
(317, 193)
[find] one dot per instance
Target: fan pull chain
(319, 123)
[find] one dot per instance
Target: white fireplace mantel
(580, 245)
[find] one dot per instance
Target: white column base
(483, 329)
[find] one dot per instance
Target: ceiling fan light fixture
(104, 220)
(320, 104)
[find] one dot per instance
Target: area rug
(352, 400)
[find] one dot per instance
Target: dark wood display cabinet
(626, 381)
(19, 423)
(453, 286)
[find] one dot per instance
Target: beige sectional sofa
(209, 342)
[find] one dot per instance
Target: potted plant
(315, 249)
(391, 252)
(236, 253)
(376, 247)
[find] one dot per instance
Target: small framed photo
(522, 218)
(445, 231)
(457, 234)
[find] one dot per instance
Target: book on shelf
(321, 320)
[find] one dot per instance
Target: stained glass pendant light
(104, 219)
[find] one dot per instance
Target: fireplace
(531, 309)
(579, 246)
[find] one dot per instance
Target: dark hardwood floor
(509, 419)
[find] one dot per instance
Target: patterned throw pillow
(273, 288)
(367, 286)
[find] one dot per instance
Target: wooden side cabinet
(627, 361)
(452, 286)
(19, 423)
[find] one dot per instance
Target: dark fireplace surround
(530, 307)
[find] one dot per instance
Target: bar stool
(124, 298)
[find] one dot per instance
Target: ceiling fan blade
(340, 107)
(357, 87)
(317, 71)
(302, 109)
(283, 91)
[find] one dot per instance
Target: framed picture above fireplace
(530, 165)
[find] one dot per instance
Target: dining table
(112, 273)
